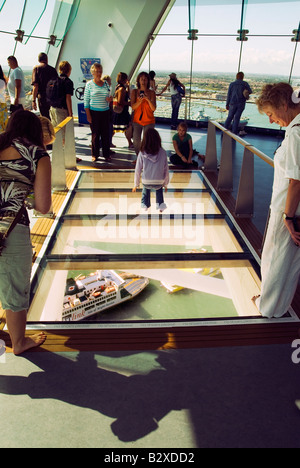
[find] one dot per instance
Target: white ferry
(88, 295)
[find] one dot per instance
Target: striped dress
(95, 96)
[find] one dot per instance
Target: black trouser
(100, 128)
(44, 106)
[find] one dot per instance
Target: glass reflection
(143, 295)
(144, 234)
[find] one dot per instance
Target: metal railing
(63, 153)
(244, 207)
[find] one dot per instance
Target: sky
(264, 55)
(270, 55)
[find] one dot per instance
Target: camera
(142, 94)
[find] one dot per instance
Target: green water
(155, 303)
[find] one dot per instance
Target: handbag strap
(5, 235)
(15, 220)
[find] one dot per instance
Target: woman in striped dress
(96, 103)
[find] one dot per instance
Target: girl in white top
(280, 267)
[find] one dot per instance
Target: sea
(209, 109)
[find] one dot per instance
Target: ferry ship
(88, 295)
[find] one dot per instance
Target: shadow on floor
(236, 397)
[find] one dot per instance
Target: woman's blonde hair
(96, 65)
(277, 95)
(48, 130)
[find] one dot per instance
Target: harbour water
(203, 110)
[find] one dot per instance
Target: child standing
(183, 146)
(152, 163)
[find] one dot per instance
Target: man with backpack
(41, 75)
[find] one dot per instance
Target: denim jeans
(175, 101)
(235, 112)
(146, 194)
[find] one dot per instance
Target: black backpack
(55, 92)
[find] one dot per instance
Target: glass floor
(108, 263)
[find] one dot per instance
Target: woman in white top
(96, 103)
(3, 106)
(280, 267)
(177, 90)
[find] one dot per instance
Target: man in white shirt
(16, 82)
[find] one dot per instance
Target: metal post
(69, 149)
(58, 163)
(225, 179)
(211, 160)
(244, 207)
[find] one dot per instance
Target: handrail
(244, 143)
(63, 153)
(261, 155)
(62, 124)
(245, 198)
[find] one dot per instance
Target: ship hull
(96, 305)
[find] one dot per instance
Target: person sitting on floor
(183, 146)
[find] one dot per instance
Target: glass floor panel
(107, 264)
(125, 179)
(178, 202)
(144, 234)
(169, 294)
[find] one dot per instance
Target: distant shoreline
(160, 73)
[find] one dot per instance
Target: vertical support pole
(69, 150)
(245, 199)
(225, 179)
(211, 160)
(58, 163)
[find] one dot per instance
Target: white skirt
(280, 269)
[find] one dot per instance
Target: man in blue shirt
(238, 92)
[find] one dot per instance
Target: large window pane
(271, 57)
(218, 18)
(10, 15)
(268, 17)
(296, 68)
